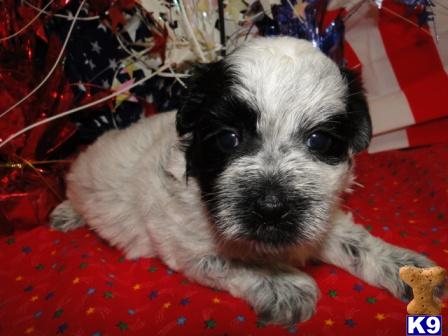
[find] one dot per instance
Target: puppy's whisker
(285, 215)
(257, 214)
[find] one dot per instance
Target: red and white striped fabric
(405, 72)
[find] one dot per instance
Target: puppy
(243, 182)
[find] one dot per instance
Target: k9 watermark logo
(423, 325)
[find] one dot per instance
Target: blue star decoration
(28, 288)
(153, 295)
(240, 318)
(329, 39)
(91, 291)
(350, 323)
(181, 320)
(26, 249)
(358, 288)
(62, 328)
(49, 296)
(292, 330)
(184, 301)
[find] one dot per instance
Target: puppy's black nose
(270, 206)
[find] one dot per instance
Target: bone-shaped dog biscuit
(423, 281)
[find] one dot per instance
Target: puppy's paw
(391, 280)
(64, 218)
(285, 299)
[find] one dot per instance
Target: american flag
(405, 72)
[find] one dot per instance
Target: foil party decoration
(306, 20)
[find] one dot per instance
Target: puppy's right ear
(205, 84)
(358, 111)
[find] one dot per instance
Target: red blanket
(75, 284)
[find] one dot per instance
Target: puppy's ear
(205, 85)
(358, 111)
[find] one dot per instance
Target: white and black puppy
(243, 182)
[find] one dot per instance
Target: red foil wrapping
(31, 181)
(27, 197)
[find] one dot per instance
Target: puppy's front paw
(64, 218)
(284, 299)
(398, 258)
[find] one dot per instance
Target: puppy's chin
(277, 234)
(270, 245)
(271, 238)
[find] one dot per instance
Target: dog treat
(423, 281)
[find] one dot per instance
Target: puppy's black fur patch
(209, 108)
(351, 128)
(357, 125)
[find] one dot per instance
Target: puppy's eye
(227, 140)
(319, 142)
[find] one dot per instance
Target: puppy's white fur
(130, 187)
(291, 82)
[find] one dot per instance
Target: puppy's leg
(64, 218)
(354, 249)
(283, 295)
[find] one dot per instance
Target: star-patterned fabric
(98, 61)
(53, 283)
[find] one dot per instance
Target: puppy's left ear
(205, 84)
(357, 111)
